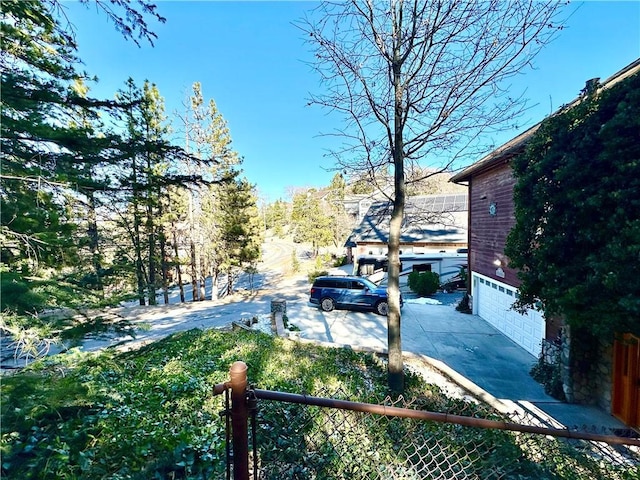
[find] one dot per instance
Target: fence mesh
(297, 441)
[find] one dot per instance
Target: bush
(550, 376)
(463, 306)
(339, 261)
(315, 274)
(424, 283)
(20, 295)
(322, 260)
(295, 263)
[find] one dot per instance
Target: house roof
(428, 219)
(517, 144)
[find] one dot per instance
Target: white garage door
(493, 301)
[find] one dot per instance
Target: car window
(368, 283)
(359, 284)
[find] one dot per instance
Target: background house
(431, 223)
(614, 382)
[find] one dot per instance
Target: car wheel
(327, 304)
(382, 308)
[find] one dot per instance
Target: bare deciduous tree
(420, 81)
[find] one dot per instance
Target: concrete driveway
(466, 343)
(467, 348)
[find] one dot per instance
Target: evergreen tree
(51, 149)
(208, 139)
(34, 225)
(240, 229)
(133, 183)
(155, 132)
(277, 217)
(310, 222)
(175, 212)
(146, 172)
(340, 223)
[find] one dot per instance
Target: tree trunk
(194, 271)
(140, 277)
(192, 247)
(203, 277)
(164, 265)
(137, 244)
(214, 284)
(151, 238)
(94, 243)
(176, 252)
(396, 372)
(229, 282)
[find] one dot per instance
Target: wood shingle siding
(488, 233)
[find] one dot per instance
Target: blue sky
(250, 59)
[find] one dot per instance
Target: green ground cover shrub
(550, 376)
(150, 413)
(339, 261)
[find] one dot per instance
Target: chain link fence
(296, 441)
(298, 437)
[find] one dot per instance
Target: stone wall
(587, 375)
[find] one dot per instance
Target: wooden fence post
(239, 420)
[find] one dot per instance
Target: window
(423, 267)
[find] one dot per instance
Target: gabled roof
(516, 145)
(428, 218)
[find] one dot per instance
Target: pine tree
(240, 229)
(208, 139)
(50, 151)
(310, 222)
(340, 223)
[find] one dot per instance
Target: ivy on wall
(576, 241)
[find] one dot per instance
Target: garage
(492, 301)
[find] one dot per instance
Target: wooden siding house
(614, 384)
(494, 285)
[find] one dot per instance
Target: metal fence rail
(309, 437)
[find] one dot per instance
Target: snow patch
(423, 301)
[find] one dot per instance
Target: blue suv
(350, 293)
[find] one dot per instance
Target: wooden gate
(626, 380)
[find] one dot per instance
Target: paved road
(276, 264)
